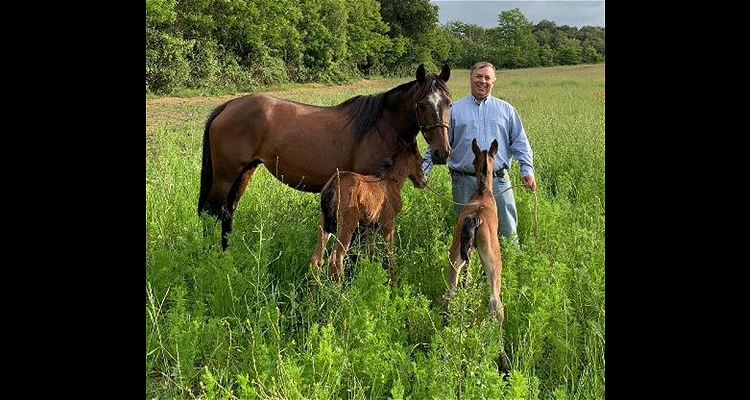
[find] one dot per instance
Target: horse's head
(432, 108)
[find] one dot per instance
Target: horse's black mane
(364, 110)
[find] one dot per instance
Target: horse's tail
(207, 169)
(468, 231)
(328, 207)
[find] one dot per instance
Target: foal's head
(484, 164)
(406, 163)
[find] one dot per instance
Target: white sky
(484, 12)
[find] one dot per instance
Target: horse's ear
(493, 148)
(420, 73)
(475, 147)
(445, 73)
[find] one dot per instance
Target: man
(485, 117)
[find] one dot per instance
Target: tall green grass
(256, 321)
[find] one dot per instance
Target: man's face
(482, 82)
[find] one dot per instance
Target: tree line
(244, 45)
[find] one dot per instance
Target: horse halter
(425, 128)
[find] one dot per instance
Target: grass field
(256, 321)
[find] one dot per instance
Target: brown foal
(349, 199)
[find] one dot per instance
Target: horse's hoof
(503, 364)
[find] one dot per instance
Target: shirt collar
(480, 101)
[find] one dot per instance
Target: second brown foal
(477, 229)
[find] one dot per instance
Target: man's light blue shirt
(492, 118)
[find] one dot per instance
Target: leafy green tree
(160, 14)
(409, 18)
(167, 67)
(369, 48)
(589, 55)
(323, 34)
(516, 41)
(417, 22)
(592, 36)
(544, 32)
(194, 19)
(546, 56)
(568, 53)
(470, 43)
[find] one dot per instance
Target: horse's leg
(216, 206)
(232, 199)
(242, 182)
(455, 263)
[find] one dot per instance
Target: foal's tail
(468, 231)
(207, 170)
(328, 207)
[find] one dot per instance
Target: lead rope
(536, 203)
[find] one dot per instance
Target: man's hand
(530, 182)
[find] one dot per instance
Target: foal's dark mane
(388, 163)
(364, 110)
(481, 175)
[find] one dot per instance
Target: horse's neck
(403, 116)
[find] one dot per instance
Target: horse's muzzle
(440, 157)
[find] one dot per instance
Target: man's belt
(498, 174)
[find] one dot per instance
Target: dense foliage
(257, 322)
(242, 45)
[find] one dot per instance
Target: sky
(484, 13)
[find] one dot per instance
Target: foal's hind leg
(389, 229)
(343, 240)
(455, 263)
(488, 248)
(323, 236)
(489, 252)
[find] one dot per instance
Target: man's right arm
(427, 162)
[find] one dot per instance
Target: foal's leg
(489, 252)
(343, 240)
(389, 229)
(488, 247)
(455, 263)
(323, 236)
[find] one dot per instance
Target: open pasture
(256, 321)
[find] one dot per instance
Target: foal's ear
(475, 147)
(445, 73)
(493, 148)
(420, 73)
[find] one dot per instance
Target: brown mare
(350, 199)
(302, 145)
(476, 228)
